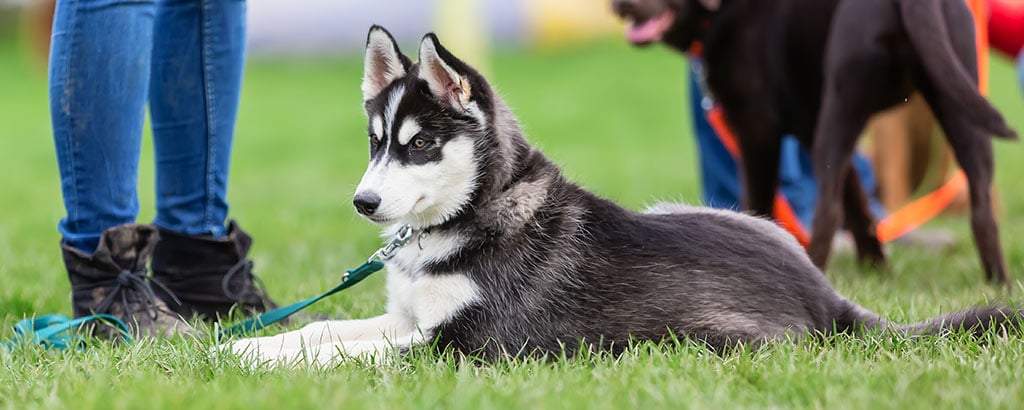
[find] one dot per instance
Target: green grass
(616, 119)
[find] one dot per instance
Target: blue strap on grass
(352, 277)
(53, 331)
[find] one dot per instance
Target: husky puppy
(508, 258)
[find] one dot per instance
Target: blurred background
(331, 28)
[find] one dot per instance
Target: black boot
(209, 276)
(113, 280)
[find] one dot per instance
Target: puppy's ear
(383, 63)
(438, 68)
(711, 5)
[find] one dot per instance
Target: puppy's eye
(419, 142)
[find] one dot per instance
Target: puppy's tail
(975, 321)
(926, 26)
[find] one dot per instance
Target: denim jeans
(720, 182)
(1020, 69)
(108, 58)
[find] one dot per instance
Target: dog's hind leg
(839, 125)
(973, 150)
(862, 77)
(860, 222)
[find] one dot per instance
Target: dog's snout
(624, 7)
(366, 203)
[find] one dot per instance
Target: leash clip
(403, 237)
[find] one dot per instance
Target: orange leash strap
(921, 210)
(782, 211)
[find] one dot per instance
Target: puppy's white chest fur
(428, 298)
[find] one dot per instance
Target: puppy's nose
(366, 203)
(624, 7)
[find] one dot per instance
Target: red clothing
(1006, 26)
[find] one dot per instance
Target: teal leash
(52, 331)
(351, 277)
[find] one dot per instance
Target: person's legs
(99, 74)
(796, 179)
(719, 180)
(198, 56)
(1020, 69)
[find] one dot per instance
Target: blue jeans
(796, 172)
(108, 58)
(1020, 69)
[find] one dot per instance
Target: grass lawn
(616, 119)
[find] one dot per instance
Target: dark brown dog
(817, 69)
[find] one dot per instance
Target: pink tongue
(645, 32)
(649, 30)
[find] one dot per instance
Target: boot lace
(131, 281)
(251, 284)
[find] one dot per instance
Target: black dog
(818, 69)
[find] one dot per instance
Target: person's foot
(113, 280)
(210, 276)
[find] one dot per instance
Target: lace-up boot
(209, 276)
(113, 280)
